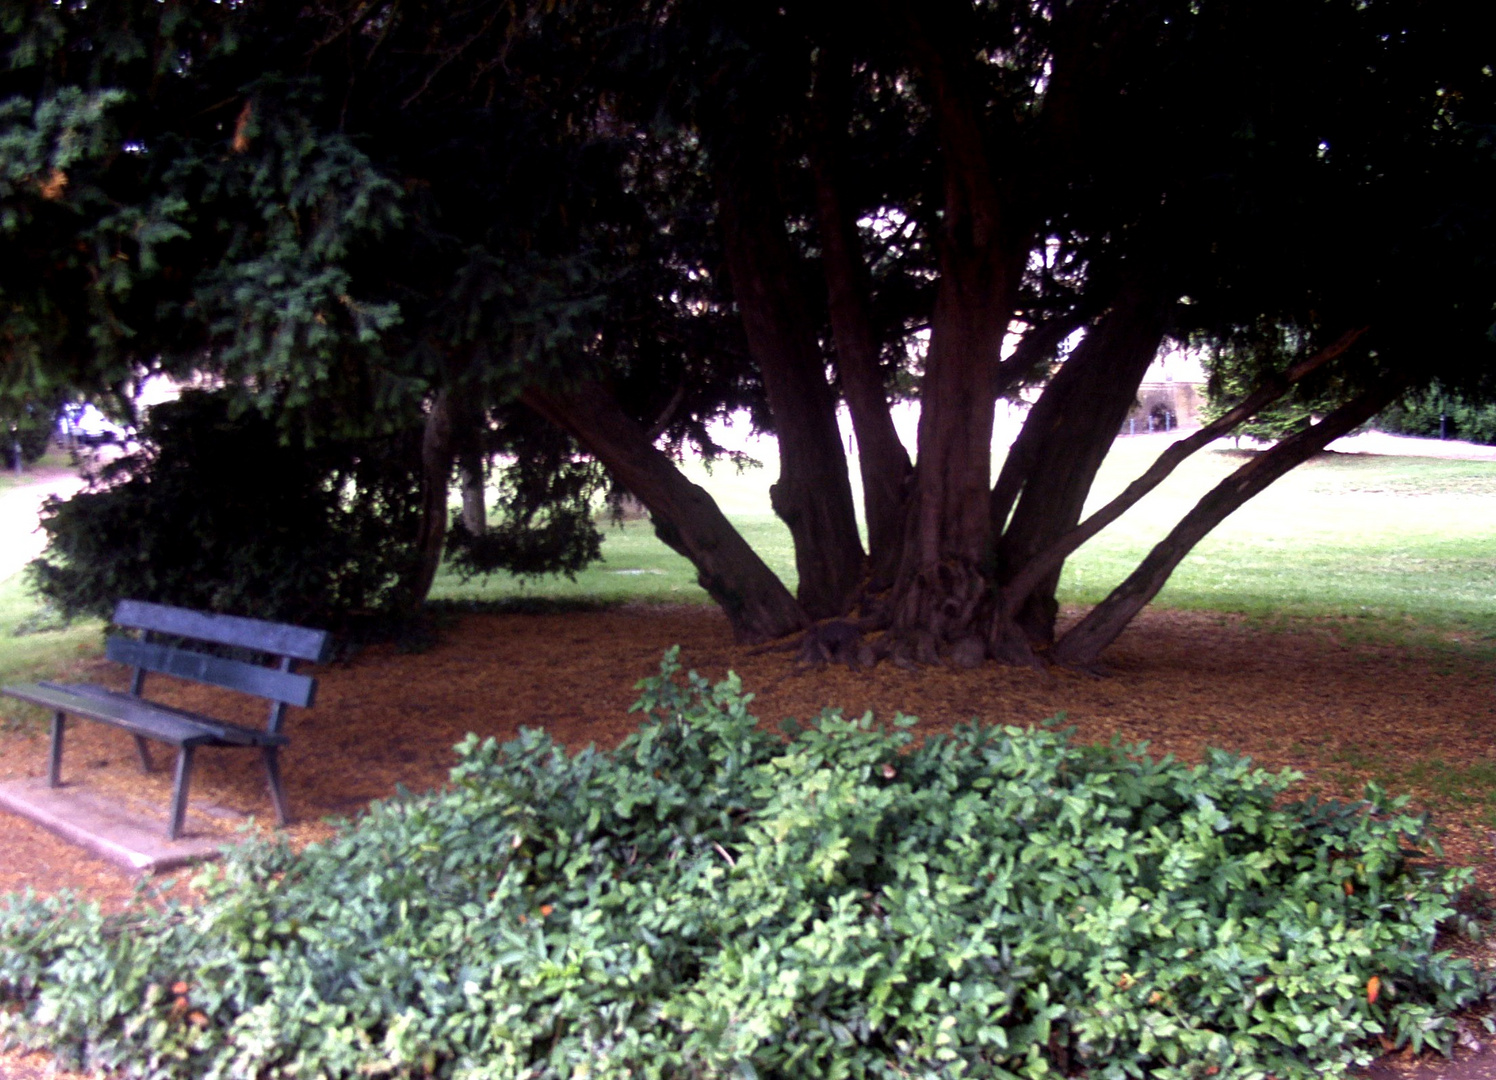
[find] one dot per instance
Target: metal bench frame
(147, 720)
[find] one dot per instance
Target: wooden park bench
(164, 646)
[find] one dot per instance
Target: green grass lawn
(1402, 541)
(1407, 543)
(1393, 545)
(28, 653)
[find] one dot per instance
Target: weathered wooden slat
(264, 682)
(225, 731)
(160, 722)
(146, 719)
(281, 639)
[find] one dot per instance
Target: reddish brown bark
(757, 605)
(813, 494)
(436, 473)
(1050, 560)
(942, 584)
(1083, 643)
(1038, 346)
(1067, 435)
(882, 460)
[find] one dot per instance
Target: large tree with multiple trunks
(627, 220)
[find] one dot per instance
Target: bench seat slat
(146, 719)
(226, 732)
(280, 639)
(265, 682)
(163, 723)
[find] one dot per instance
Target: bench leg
(144, 750)
(277, 790)
(179, 785)
(54, 758)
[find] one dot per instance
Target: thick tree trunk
(756, 603)
(948, 524)
(474, 507)
(1083, 643)
(882, 460)
(944, 589)
(942, 596)
(436, 473)
(472, 466)
(1049, 561)
(1075, 422)
(1038, 346)
(813, 494)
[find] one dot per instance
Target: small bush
(25, 426)
(215, 510)
(1437, 412)
(710, 900)
(544, 510)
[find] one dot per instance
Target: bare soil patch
(1306, 699)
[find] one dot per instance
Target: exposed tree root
(835, 641)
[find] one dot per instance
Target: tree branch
(1038, 346)
(1054, 556)
(1082, 645)
(756, 603)
(882, 459)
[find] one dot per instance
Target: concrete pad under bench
(106, 827)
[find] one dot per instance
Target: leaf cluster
(713, 900)
(214, 510)
(25, 430)
(1445, 413)
(546, 493)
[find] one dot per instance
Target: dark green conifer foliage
(633, 219)
(214, 510)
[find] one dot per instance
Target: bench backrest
(280, 685)
(277, 639)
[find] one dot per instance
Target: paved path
(21, 539)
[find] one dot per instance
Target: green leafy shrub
(546, 491)
(1436, 411)
(25, 425)
(215, 510)
(711, 900)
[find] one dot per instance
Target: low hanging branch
(667, 414)
(1082, 645)
(1273, 388)
(756, 602)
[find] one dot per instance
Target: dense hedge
(214, 509)
(711, 900)
(1437, 412)
(27, 426)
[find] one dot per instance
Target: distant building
(1170, 396)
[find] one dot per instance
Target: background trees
(628, 221)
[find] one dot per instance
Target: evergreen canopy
(630, 219)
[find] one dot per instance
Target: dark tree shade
(633, 219)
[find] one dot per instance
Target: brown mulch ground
(1305, 699)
